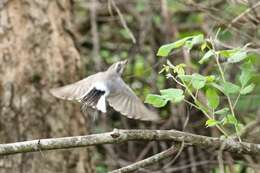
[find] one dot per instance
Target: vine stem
(191, 104)
(182, 83)
(235, 103)
(228, 98)
(200, 108)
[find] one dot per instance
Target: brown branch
(243, 14)
(119, 136)
(122, 20)
(154, 159)
(148, 161)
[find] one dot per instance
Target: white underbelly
(101, 104)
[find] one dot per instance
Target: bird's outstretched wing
(74, 91)
(124, 100)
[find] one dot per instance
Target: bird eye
(118, 68)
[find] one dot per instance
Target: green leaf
(189, 41)
(198, 81)
(233, 55)
(228, 53)
(230, 119)
(210, 78)
(211, 122)
(186, 78)
(167, 48)
(172, 94)
(217, 86)
(230, 88)
(222, 111)
(212, 98)
(197, 39)
(248, 89)
(178, 99)
(206, 56)
(237, 57)
(179, 69)
(246, 74)
(155, 100)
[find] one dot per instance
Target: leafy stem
(235, 103)
(197, 104)
(216, 55)
(206, 83)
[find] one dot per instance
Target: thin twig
(235, 103)
(148, 161)
(242, 14)
(224, 80)
(177, 155)
(123, 22)
(220, 158)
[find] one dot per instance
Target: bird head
(118, 67)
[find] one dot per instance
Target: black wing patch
(92, 97)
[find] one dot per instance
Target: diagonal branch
(148, 161)
(123, 22)
(153, 159)
(119, 136)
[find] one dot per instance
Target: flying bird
(107, 86)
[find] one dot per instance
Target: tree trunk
(36, 53)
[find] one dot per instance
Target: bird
(107, 87)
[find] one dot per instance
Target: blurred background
(50, 43)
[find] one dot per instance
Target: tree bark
(37, 53)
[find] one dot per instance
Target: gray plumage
(107, 86)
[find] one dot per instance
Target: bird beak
(125, 62)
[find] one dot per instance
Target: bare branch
(123, 22)
(148, 161)
(119, 136)
(243, 14)
(154, 159)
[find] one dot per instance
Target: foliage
(214, 86)
(173, 95)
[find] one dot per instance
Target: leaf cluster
(214, 86)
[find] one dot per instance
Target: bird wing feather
(74, 91)
(124, 100)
